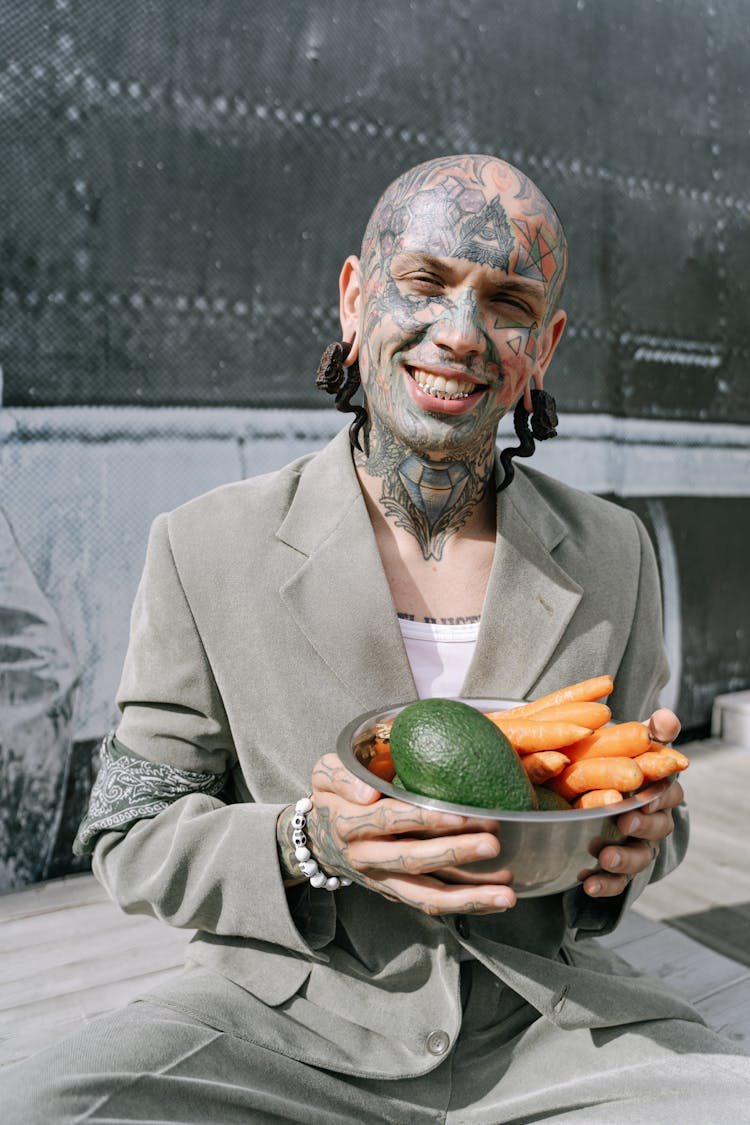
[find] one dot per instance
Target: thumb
(663, 726)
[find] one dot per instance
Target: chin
(446, 436)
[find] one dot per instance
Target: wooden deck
(68, 954)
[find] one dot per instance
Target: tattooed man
(345, 966)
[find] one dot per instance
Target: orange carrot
(382, 766)
(526, 735)
(544, 764)
(584, 714)
(597, 773)
(621, 740)
(657, 764)
(594, 798)
(586, 691)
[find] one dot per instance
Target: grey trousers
(160, 1061)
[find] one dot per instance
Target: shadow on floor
(725, 929)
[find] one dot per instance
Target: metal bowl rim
(549, 816)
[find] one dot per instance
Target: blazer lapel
(530, 599)
(339, 596)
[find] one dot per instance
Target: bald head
(472, 207)
(451, 307)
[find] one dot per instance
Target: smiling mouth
(445, 388)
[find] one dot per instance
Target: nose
(459, 328)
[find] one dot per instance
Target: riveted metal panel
(183, 181)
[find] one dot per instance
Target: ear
(548, 341)
(350, 296)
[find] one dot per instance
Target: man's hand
(398, 849)
(646, 826)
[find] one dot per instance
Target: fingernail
(635, 824)
(501, 901)
(486, 848)
(615, 861)
(594, 888)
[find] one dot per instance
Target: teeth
(440, 387)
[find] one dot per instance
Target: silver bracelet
(303, 855)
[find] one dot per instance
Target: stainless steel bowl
(547, 852)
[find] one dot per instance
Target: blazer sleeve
(167, 842)
(642, 674)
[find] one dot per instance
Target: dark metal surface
(711, 538)
(181, 183)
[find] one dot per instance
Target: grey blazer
(262, 625)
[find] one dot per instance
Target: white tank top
(439, 655)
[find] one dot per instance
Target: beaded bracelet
(303, 855)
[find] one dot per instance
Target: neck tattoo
(431, 500)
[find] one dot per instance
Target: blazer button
(438, 1042)
(462, 926)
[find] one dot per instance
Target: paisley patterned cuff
(129, 788)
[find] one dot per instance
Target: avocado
(447, 749)
(549, 801)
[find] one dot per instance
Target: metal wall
(182, 181)
(180, 185)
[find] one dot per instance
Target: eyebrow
(524, 288)
(411, 258)
(415, 259)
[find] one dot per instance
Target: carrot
(657, 764)
(382, 766)
(597, 773)
(620, 740)
(594, 798)
(526, 735)
(586, 691)
(543, 765)
(584, 714)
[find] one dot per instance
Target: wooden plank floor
(68, 954)
(692, 929)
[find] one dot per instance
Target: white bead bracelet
(304, 856)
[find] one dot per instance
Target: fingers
(417, 857)
(671, 796)
(383, 815)
(363, 842)
(436, 898)
(619, 865)
(396, 848)
(393, 836)
(646, 828)
(617, 868)
(390, 817)
(654, 821)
